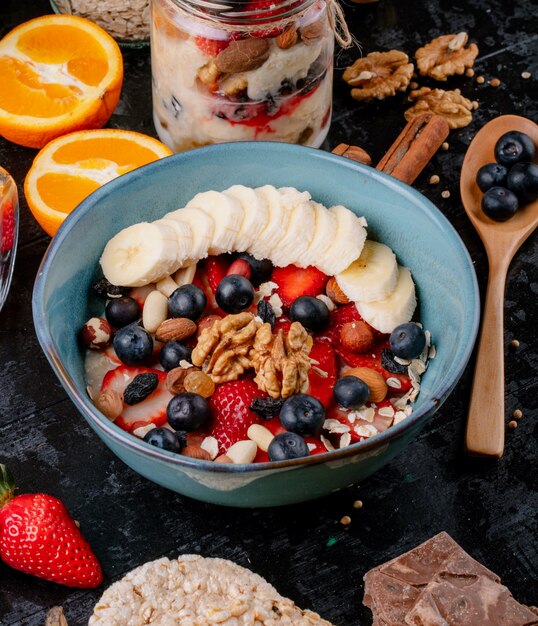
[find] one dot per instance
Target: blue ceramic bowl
(397, 215)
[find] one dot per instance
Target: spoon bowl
(485, 425)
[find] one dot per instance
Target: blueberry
(234, 294)
(172, 353)
(407, 341)
(188, 411)
(351, 392)
(523, 181)
(133, 344)
(261, 270)
(123, 311)
(287, 446)
(311, 312)
(499, 204)
(491, 175)
(514, 147)
(187, 301)
(302, 414)
(163, 438)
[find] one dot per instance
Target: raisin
(267, 407)
(388, 362)
(266, 313)
(140, 388)
(104, 289)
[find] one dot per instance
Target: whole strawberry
(230, 405)
(39, 537)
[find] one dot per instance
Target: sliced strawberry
(321, 387)
(216, 269)
(319, 447)
(7, 227)
(295, 281)
(274, 425)
(141, 293)
(230, 405)
(382, 422)
(151, 410)
(211, 47)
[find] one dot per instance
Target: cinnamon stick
(354, 153)
(414, 147)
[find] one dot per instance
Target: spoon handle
(485, 423)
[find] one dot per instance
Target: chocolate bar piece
(439, 584)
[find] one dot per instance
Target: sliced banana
(141, 254)
(202, 227)
(255, 215)
(296, 241)
(398, 308)
(184, 236)
(324, 233)
(276, 226)
(227, 214)
(372, 276)
(347, 244)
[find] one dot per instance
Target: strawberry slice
(321, 387)
(7, 227)
(295, 281)
(211, 47)
(230, 405)
(216, 269)
(151, 410)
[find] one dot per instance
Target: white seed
(399, 417)
(242, 452)
(260, 435)
(434, 180)
(185, 275)
(167, 286)
(327, 301)
(155, 311)
(210, 445)
(142, 431)
(445, 194)
(394, 383)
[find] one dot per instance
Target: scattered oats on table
(446, 56)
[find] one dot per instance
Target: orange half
(71, 167)
(58, 74)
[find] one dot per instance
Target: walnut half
(379, 75)
(449, 104)
(446, 56)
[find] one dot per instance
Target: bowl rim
(138, 446)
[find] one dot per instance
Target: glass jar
(241, 71)
(9, 227)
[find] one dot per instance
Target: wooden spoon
(485, 425)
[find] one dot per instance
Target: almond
(376, 383)
(194, 452)
(332, 289)
(288, 38)
(243, 55)
(175, 379)
(357, 337)
(175, 329)
(110, 403)
(312, 32)
(223, 459)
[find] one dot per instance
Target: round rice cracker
(196, 591)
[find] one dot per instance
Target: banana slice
(276, 226)
(296, 241)
(398, 308)
(184, 234)
(255, 215)
(202, 227)
(324, 233)
(372, 276)
(141, 254)
(347, 244)
(227, 214)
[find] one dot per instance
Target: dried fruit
(288, 38)
(96, 333)
(105, 289)
(332, 289)
(357, 337)
(140, 388)
(379, 75)
(266, 313)
(267, 407)
(175, 329)
(392, 366)
(446, 56)
(175, 379)
(243, 55)
(449, 104)
(110, 403)
(199, 382)
(375, 381)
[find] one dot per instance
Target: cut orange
(58, 74)
(69, 168)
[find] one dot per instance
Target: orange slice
(69, 168)
(58, 73)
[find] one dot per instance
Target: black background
(488, 506)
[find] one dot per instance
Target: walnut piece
(449, 104)
(446, 56)
(281, 361)
(222, 349)
(379, 75)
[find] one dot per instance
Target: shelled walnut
(379, 75)
(281, 361)
(446, 56)
(449, 104)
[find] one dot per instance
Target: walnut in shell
(449, 104)
(379, 75)
(446, 56)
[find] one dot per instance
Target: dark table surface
(487, 506)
